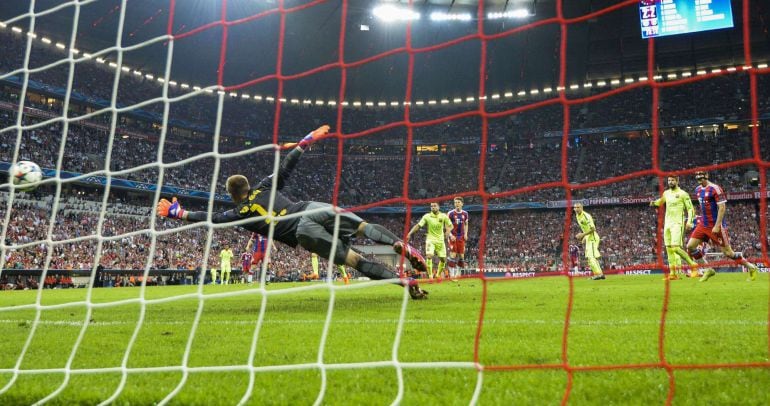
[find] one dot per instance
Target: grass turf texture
(612, 322)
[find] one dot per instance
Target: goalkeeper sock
(441, 268)
(380, 234)
(375, 270)
(430, 268)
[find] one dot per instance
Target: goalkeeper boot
(412, 254)
(598, 277)
(752, 272)
(707, 274)
(416, 292)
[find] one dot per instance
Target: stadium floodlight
(717, 70)
(75, 51)
(364, 27)
(100, 60)
(629, 80)
(534, 91)
(60, 45)
(160, 79)
(469, 99)
(357, 103)
(671, 76)
(444, 101)
(518, 13)
(149, 76)
(508, 94)
(496, 96)
(521, 93)
(588, 85)
(762, 66)
(345, 104)
(2, 24)
(331, 103)
(369, 104)
(282, 100)
(172, 83)
(547, 90)
(432, 102)
(642, 78)
(46, 40)
(573, 87)
(419, 102)
(747, 67)
(197, 88)
(601, 83)
(125, 69)
(394, 104)
(113, 65)
(294, 101)
(686, 74)
(442, 16)
(391, 13)
(615, 81)
(16, 30)
(731, 69)
(257, 97)
(382, 104)
(457, 100)
(701, 72)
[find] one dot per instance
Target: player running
(311, 227)
(713, 226)
(679, 215)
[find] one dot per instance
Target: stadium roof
(604, 46)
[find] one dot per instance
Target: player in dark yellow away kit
(313, 229)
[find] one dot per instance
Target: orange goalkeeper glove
(172, 209)
(314, 136)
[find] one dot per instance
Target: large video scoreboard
(670, 17)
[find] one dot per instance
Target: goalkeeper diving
(313, 229)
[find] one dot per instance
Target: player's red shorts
(257, 257)
(457, 246)
(704, 233)
(246, 266)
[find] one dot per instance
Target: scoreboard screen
(659, 18)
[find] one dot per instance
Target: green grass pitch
(615, 322)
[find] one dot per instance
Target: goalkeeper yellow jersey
(679, 207)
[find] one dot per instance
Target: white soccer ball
(23, 174)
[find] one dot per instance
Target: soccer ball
(23, 174)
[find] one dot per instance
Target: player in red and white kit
(712, 226)
(457, 237)
(257, 246)
(574, 258)
(246, 265)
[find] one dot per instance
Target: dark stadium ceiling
(602, 47)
